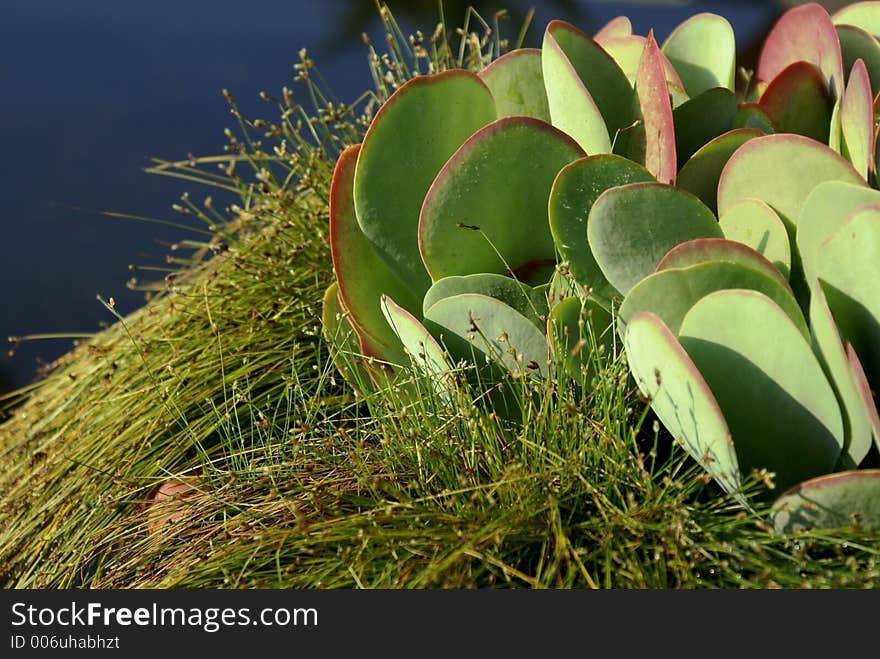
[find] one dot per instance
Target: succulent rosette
(514, 219)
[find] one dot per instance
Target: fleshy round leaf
(719, 249)
(522, 298)
(487, 209)
(857, 120)
(703, 51)
(671, 293)
(516, 81)
(864, 388)
(702, 172)
(619, 26)
(589, 96)
(423, 350)
(855, 44)
(474, 326)
(865, 15)
(632, 227)
(806, 34)
(579, 327)
(798, 101)
(627, 52)
(361, 275)
(680, 397)
(410, 138)
(781, 410)
(842, 500)
(832, 355)
(848, 266)
(702, 119)
(753, 223)
(657, 133)
(575, 190)
(827, 208)
(781, 170)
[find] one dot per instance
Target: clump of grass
(206, 440)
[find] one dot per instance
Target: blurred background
(90, 89)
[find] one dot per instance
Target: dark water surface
(90, 88)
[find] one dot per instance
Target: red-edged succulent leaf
(857, 120)
(702, 171)
(412, 135)
(578, 75)
(798, 101)
(781, 170)
(865, 15)
(361, 275)
(627, 52)
(487, 208)
(516, 81)
(701, 119)
(700, 250)
(575, 190)
(855, 44)
(620, 26)
(840, 500)
(753, 223)
(806, 34)
(680, 397)
(658, 125)
(864, 389)
(703, 51)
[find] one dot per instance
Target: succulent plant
(509, 219)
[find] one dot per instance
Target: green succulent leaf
(516, 81)
(827, 208)
(522, 298)
(835, 129)
(424, 352)
(680, 397)
(781, 170)
(798, 101)
(578, 328)
(702, 172)
(575, 190)
(361, 275)
(632, 227)
(752, 222)
(620, 26)
(848, 267)
(781, 410)
(671, 293)
(343, 341)
(841, 500)
(720, 249)
(804, 33)
(865, 15)
(589, 96)
(865, 393)
(703, 51)
(410, 138)
(655, 141)
(839, 367)
(857, 120)
(487, 209)
(701, 119)
(855, 44)
(474, 326)
(627, 52)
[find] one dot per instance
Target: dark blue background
(90, 88)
